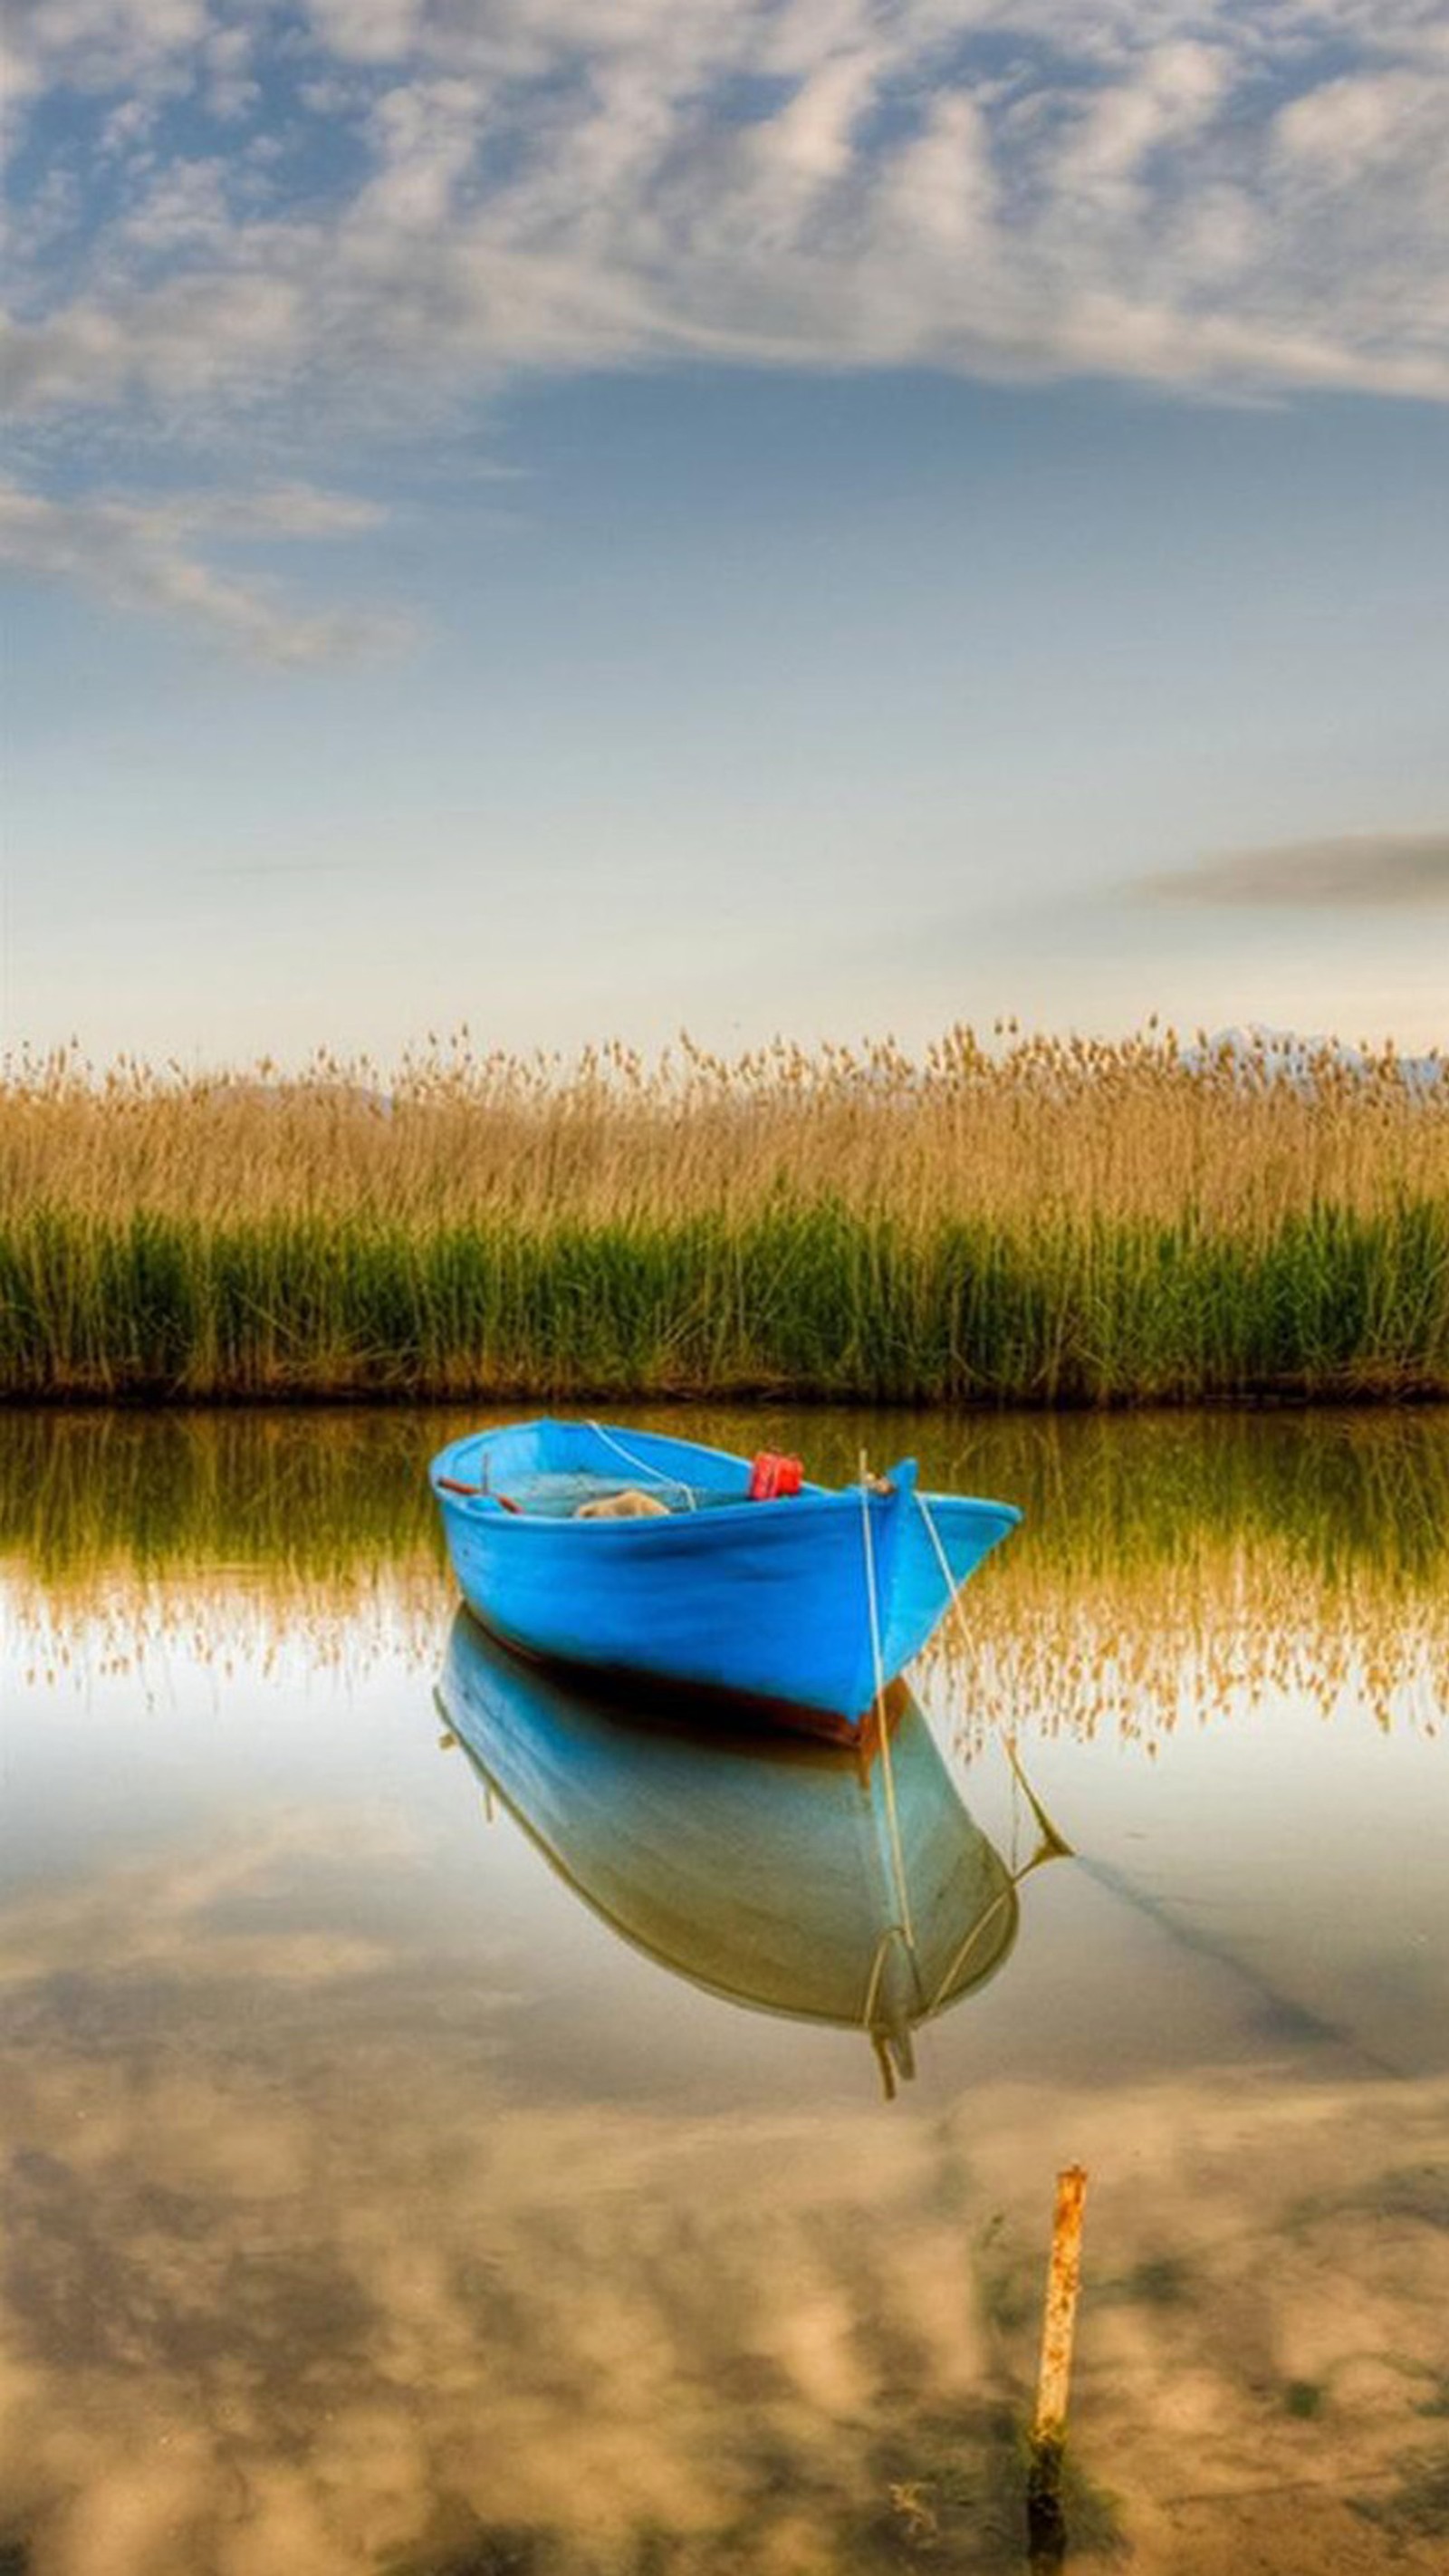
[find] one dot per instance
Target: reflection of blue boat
(809, 1603)
(762, 1868)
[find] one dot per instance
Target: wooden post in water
(1046, 2523)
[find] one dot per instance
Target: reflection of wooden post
(1046, 2525)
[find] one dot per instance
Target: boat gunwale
(810, 1497)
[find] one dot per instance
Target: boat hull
(769, 1601)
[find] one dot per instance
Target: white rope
(878, 1661)
(942, 1559)
(979, 1929)
(891, 1933)
(642, 1466)
(1056, 1843)
(888, 2040)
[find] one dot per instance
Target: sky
(829, 516)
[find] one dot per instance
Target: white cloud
(99, 45)
(143, 555)
(545, 183)
(1349, 124)
(1377, 868)
(810, 141)
(1166, 97)
(369, 31)
(1177, 192)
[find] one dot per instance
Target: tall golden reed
(1039, 1218)
(1019, 1131)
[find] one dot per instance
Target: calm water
(448, 2130)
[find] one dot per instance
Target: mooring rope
(1056, 1841)
(953, 1603)
(891, 1933)
(642, 1466)
(981, 1926)
(887, 1766)
(884, 2036)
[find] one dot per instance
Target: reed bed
(1027, 1221)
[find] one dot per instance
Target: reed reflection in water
(1169, 1564)
(370, 2204)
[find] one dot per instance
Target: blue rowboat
(807, 1604)
(761, 1869)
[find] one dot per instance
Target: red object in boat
(773, 1476)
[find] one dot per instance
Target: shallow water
(447, 2129)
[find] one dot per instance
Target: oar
(454, 1485)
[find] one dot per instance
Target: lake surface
(449, 2130)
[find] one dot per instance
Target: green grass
(811, 1301)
